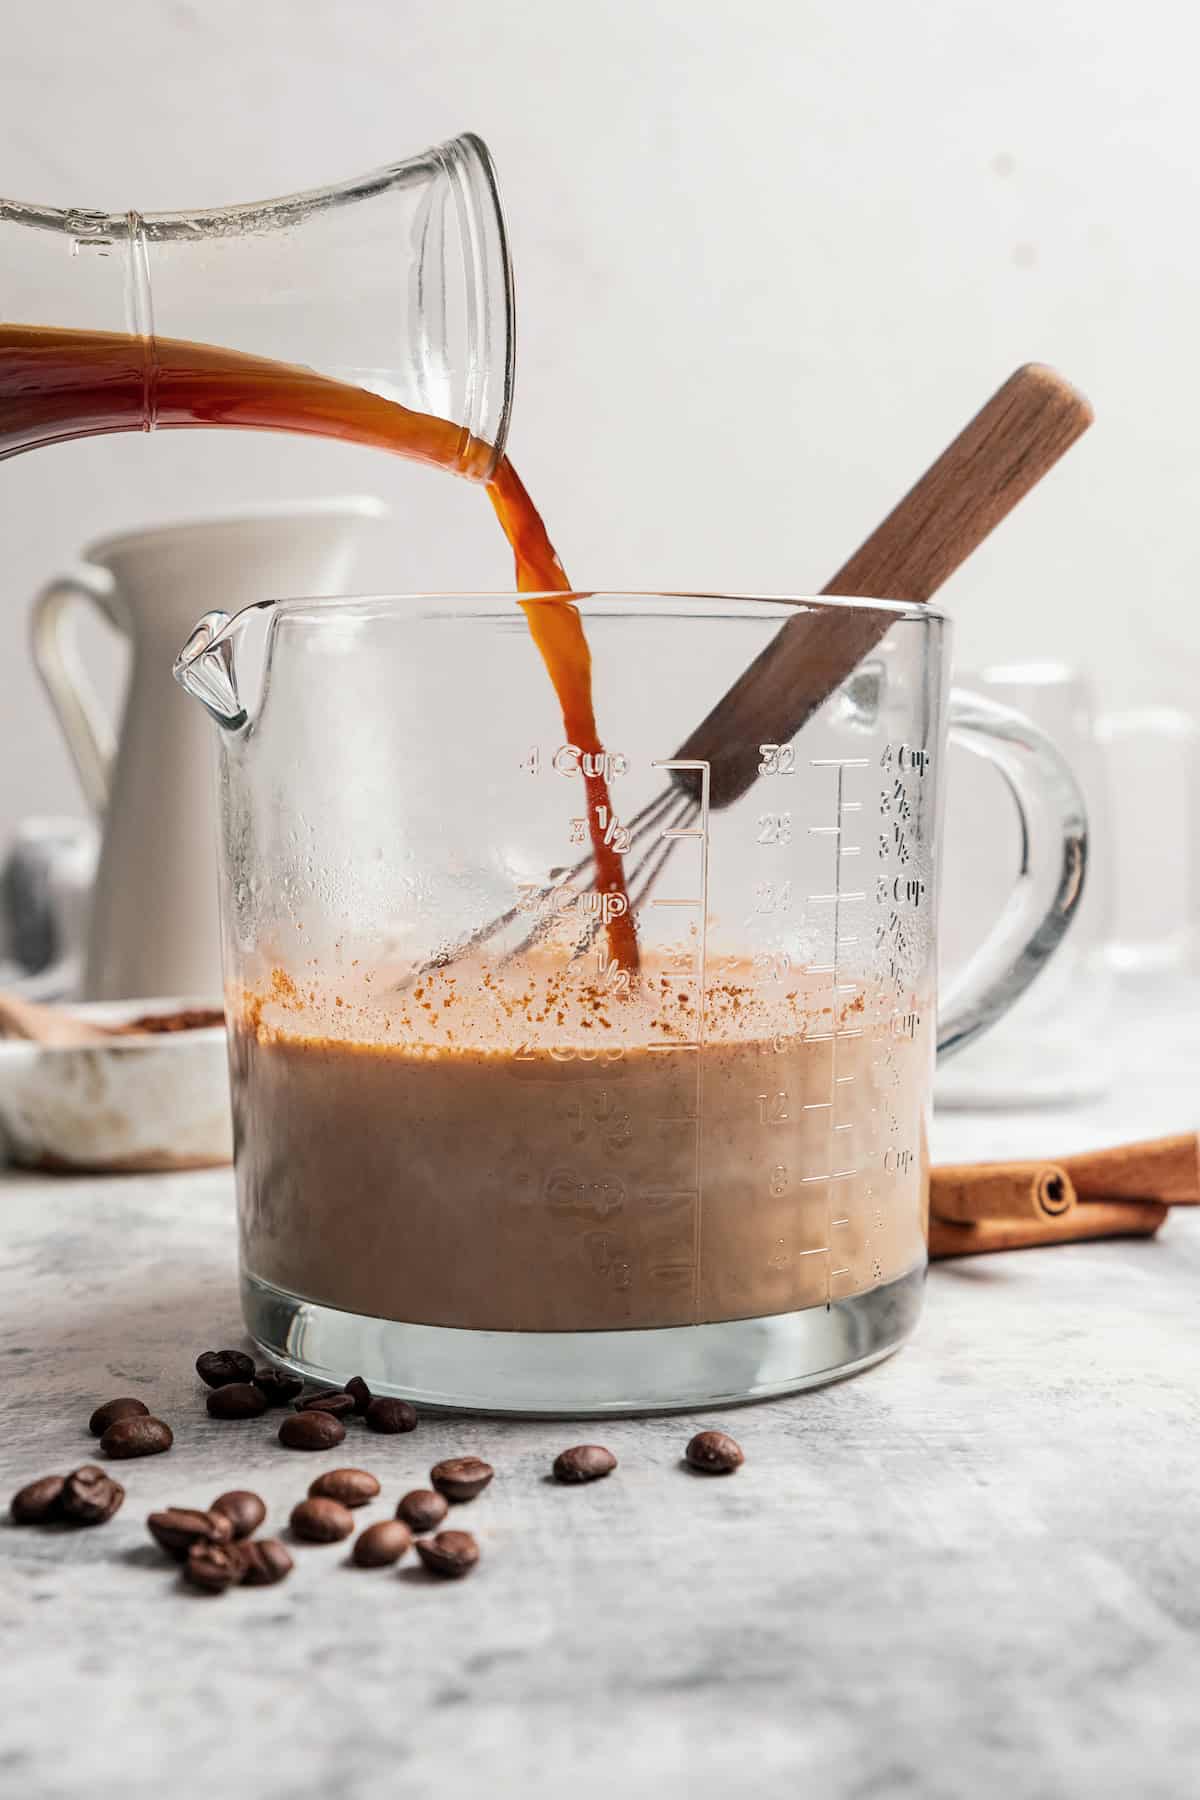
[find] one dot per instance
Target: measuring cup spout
(206, 668)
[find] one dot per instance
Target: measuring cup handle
(84, 723)
(1054, 849)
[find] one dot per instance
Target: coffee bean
(390, 1416)
(359, 1392)
(461, 1477)
(39, 1501)
(321, 1521)
(244, 1510)
(337, 1403)
(264, 1562)
(213, 1567)
(450, 1553)
(179, 1527)
(423, 1509)
(382, 1544)
(278, 1387)
(91, 1497)
(585, 1462)
(219, 1368)
(112, 1410)
(136, 1436)
(350, 1487)
(714, 1453)
(236, 1400)
(312, 1431)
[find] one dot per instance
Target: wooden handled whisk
(1015, 439)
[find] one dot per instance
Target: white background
(769, 258)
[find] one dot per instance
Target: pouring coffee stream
(59, 384)
(56, 385)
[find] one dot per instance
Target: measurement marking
(816, 1105)
(702, 997)
(822, 1251)
(700, 833)
(680, 1044)
(836, 897)
(841, 990)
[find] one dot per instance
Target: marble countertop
(973, 1570)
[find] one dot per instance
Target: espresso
(528, 1153)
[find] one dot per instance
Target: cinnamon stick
(1165, 1169)
(1089, 1219)
(968, 1193)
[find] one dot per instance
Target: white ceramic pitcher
(153, 925)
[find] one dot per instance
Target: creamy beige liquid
(527, 1153)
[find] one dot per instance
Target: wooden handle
(41, 1024)
(1005, 450)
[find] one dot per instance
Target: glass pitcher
(397, 284)
(480, 1161)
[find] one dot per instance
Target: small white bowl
(159, 1101)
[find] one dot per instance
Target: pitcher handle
(1053, 837)
(85, 725)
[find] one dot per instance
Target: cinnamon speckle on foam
(545, 1006)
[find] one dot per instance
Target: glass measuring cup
(479, 1160)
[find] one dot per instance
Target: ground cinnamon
(190, 1018)
(1089, 1219)
(968, 1193)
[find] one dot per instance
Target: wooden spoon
(49, 1025)
(60, 1030)
(1005, 450)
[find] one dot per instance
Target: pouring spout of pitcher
(206, 668)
